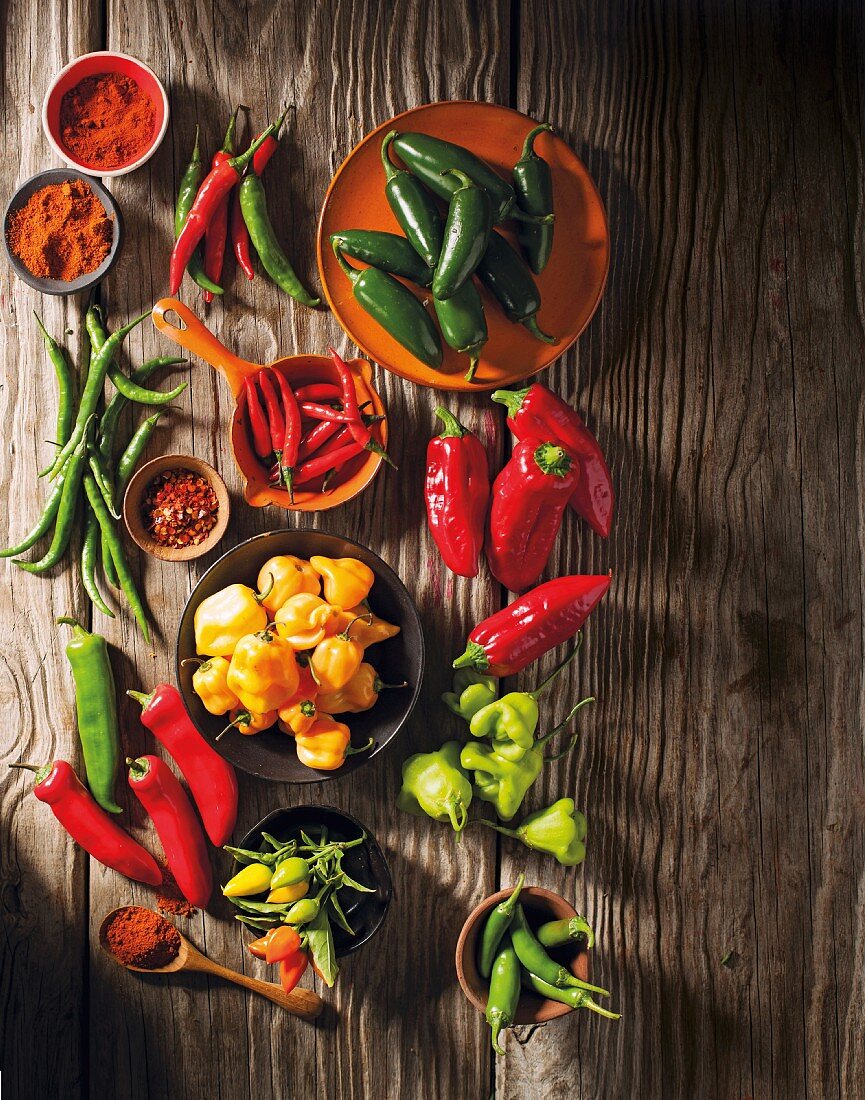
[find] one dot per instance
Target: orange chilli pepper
(291, 970)
(283, 942)
(258, 948)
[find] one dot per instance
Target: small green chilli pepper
(386, 251)
(413, 207)
(65, 390)
(534, 958)
(303, 911)
(467, 234)
(253, 206)
(290, 872)
(72, 473)
(49, 512)
(495, 927)
(505, 274)
(90, 551)
(470, 692)
(504, 993)
(463, 324)
(576, 998)
(533, 182)
(96, 708)
(132, 453)
(128, 387)
(558, 933)
(396, 309)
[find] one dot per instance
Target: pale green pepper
(289, 872)
(559, 830)
(471, 691)
(433, 783)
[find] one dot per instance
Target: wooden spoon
(304, 1003)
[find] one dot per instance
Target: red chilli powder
(140, 937)
(107, 121)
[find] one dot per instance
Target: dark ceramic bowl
(365, 863)
(271, 754)
(85, 282)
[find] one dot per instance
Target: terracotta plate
(571, 284)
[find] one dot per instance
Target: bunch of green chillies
(89, 479)
(445, 254)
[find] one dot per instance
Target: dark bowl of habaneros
(395, 657)
(540, 906)
(105, 113)
(62, 232)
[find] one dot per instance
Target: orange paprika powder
(107, 121)
(61, 232)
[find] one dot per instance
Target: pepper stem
(452, 426)
(137, 768)
(261, 596)
(458, 815)
(345, 635)
(390, 169)
(29, 767)
(560, 667)
(78, 630)
(465, 181)
(529, 143)
(380, 685)
(532, 325)
(474, 657)
(48, 338)
(350, 273)
(558, 729)
(552, 460)
(498, 828)
(510, 904)
(353, 750)
(196, 148)
(240, 163)
(144, 699)
(277, 126)
(534, 219)
(473, 366)
(511, 399)
(496, 1024)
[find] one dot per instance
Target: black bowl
(271, 754)
(365, 864)
(84, 282)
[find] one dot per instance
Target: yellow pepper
(263, 673)
(347, 581)
(359, 694)
(252, 879)
(248, 723)
(290, 575)
(297, 717)
(368, 628)
(335, 661)
(289, 893)
(209, 684)
(227, 616)
(326, 744)
(302, 620)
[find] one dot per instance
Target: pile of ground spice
(107, 121)
(61, 232)
(169, 898)
(180, 508)
(140, 937)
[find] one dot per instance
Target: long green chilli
(65, 513)
(49, 512)
(90, 551)
(186, 193)
(65, 389)
(111, 416)
(134, 450)
(128, 387)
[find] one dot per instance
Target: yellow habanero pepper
(359, 694)
(248, 723)
(290, 576)
(335, 660)
(297, 717)
(326, 744)
(227, 616)
(347, 581)
(368, 629)
(302, 619)
(263, 673)
(210, 685)
(283, 894)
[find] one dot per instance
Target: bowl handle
(198, 339)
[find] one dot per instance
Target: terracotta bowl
(540, 906)
(134, 498)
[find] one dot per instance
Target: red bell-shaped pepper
(538, 413)
(530, 496)
(457, 494)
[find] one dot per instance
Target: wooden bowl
(540, 906)
(134, 497)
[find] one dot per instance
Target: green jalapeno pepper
(471, 691)
(504, 993)
(463, 324)
(396, 309)
(533, 182)
(504, 273)
(467, 234)
(576, 998)
(386, 251)
(96, 707)
(535, 959)
(557, 933)
(433, 783)
(412, 207)
(495, 927)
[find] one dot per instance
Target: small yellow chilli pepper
(252, 879)
(248, 723)
(263, 673)
(289, 893)
(290, 575)
(209, 684)
(302, 620)
(368, 627)
(359, 694)
(297, 717)
(335, 661)
(326, 744)
(227, 616)
(347, 581)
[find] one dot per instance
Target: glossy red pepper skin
(457, 492)
(257, 420)
(317, 437)
(529, 499)
(290, 443)
(532, 625)
(89, 825)
(539, 413)
(211, 779)
(240, 241)
(359, 430)
(159, 791)
(291, 970)
(275, 419)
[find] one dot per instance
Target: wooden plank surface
(722, 766)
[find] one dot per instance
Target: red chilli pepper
(216, 186)
(291, 435)
(327, 461)
(457, 491)
(315, 411)
(532, 625)
(257, 420)
(537, 412)
(240, 241)
(89, 825)
(275, 419)
(530, 496)
(211, 779)
(291, 970)
(317, 437)
(318, 391)
(159, 792)
(217, 231)
(359, 430)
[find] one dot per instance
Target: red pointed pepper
(291, 970)
(217, 230)
(457, 493)
(89, 825)
(539, 413)
(529, 498)
(211, 779)
(239, 233)
(532, 625)
(257, 420)
(159, 792)
(275, 418)
(290, 444)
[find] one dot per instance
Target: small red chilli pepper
(291, 436)
(457, 492)
(240, 241)
(318, 391)
(314, 411)
(159, 792)
(216, 235)
(284, 942)
(317, 437)
(359, 430)
(532, 625)
(538, 412)
(275, 419)
(216, 186)
(89, 825)
(291, 970)
(211, 779)
(326, 461)
(258, 948)
(257, 420)
(529, 499)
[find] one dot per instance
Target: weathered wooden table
(722, 768)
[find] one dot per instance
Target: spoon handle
(304, 1003)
